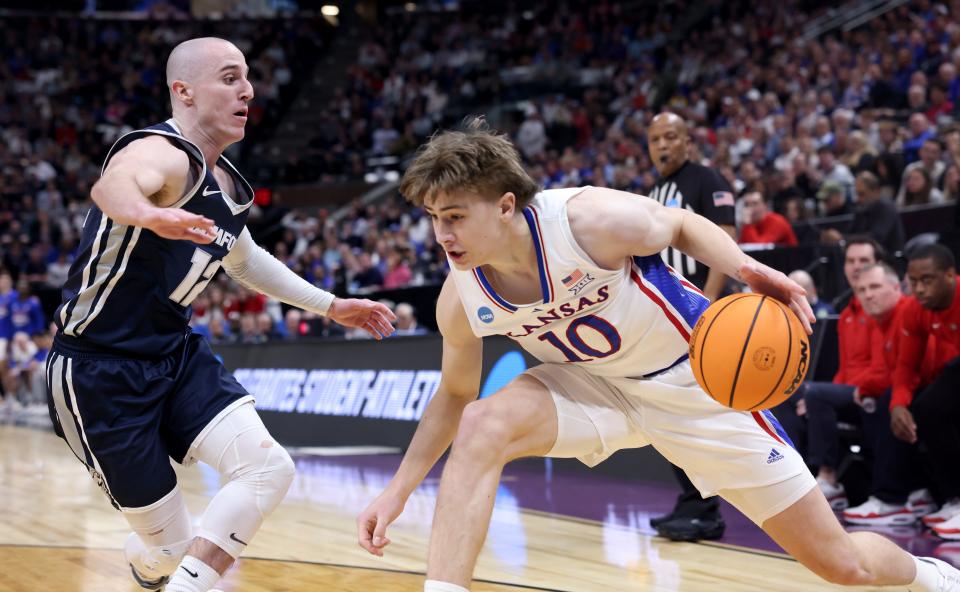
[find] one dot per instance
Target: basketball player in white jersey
(575, 276)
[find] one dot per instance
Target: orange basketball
(749, 352)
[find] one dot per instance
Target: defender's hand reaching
(373, 317)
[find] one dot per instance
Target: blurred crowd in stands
(773, 111)
(857, 124)
(69, 87)
(848, 129)
(826, 140)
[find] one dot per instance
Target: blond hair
(474, 158)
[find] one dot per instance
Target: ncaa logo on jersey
(485, 314)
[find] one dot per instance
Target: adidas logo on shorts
(774, 456)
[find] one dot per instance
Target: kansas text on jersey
(634, 321)
(130, 290)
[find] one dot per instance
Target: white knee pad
(259, 473)
(161, 535)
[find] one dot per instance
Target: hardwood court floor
(59, 534)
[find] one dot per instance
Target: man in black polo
(702, 190)
(686, 184)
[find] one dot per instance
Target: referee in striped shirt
(704, 191)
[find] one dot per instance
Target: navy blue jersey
(130, 290)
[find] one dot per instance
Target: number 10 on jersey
(201, 272)
(601, 326)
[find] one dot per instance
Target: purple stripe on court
(617, 503)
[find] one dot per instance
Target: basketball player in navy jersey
(575, 276)
(130, 386)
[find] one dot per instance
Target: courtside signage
(375, 394)
(381, 394)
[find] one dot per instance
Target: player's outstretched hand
(765, 280)
(177, 224)
(373, 317)
(372, 523)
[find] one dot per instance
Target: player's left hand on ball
(764, 280)
(373, 317)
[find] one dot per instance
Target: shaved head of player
(209, 90)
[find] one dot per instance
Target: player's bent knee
(274, 477)
(267, 470)
(283, 471)
(482, 432)
(846, 575)
(843, 568)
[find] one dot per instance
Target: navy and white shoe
(148, 584)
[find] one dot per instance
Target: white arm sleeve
(249, 264)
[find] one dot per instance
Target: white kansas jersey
(634, 321)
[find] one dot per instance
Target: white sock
(927, 578)
(193, 575)
(438, 586)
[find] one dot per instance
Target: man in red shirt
(821, 399)
(878, 289)
(854, 340)
(932, 414)
(763, 226)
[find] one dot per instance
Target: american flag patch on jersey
(722, 198)
(577, 281)
(572, 279)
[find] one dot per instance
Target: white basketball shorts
(745, 457)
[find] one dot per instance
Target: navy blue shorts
(125, 418)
